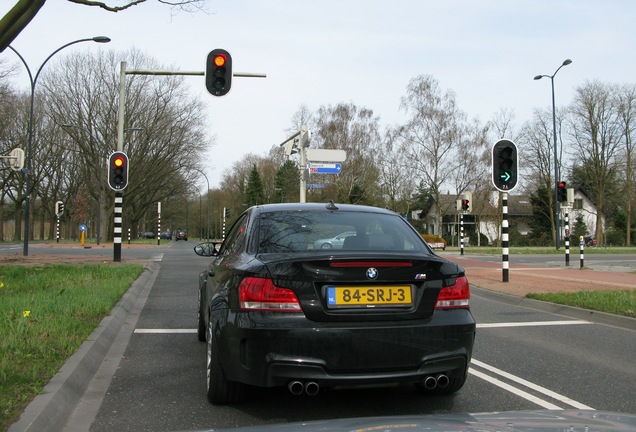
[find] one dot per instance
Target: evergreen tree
(287, 183)
(254, 193)
(541, 222)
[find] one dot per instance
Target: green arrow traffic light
(504, 165)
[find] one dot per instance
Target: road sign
(324, 168)
(315, 185)
(82, 228)
(326, 155)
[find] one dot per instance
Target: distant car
(147, 235)
(181, 235)
(166, 235)
(382, 309)
(334, 242)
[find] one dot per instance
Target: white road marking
(165, 331)
(545, 404)
(532, 324)
(474, 362)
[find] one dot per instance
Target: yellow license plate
(399, 295)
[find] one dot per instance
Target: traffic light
(118, 171)
(465, 205)
(562, 192)
(59, 208)
(218, 72)
(226, 212)
(504, 165)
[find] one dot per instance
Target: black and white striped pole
(567, 240)
(158, 223)
(505, 252)
(461, 233)
(117, 225)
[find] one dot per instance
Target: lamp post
(557, 210)
(208, 181)
(29, 154)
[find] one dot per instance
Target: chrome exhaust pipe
(430, 382)
(442, 380)
(312, 388)
(295, 387)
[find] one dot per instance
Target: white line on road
(532, 324)
(528, 384)
(165, 331)
(508, 387)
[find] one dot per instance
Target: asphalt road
(524, 359)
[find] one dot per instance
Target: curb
(50, 410)
(569, 311)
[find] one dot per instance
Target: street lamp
(557, 210)
(28, 162)
(208, 181)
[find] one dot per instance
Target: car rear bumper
(298, 349)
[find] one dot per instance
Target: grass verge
(46, 312)
(621, 302)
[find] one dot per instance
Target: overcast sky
(364, 52)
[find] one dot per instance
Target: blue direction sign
(315, 185)
(324, 168)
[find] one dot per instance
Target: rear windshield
(281, 232)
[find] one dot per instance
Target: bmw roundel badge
(372, 273)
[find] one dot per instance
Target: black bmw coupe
(275, 311)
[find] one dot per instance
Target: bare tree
(597, 136)
(393, 164)
(432, 135)
(355, 130)
(21, 14)
(168, 136)
(626, 104)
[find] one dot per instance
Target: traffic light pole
(121, 117)
(461, 233)
(505, 251)
(117, 227)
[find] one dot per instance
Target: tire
(201, 333)
(220, 390)
(325, 246)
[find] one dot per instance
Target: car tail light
(454, 296)
(262, 294)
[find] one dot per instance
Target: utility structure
(299, 142)
(557, 210)
(121, 114)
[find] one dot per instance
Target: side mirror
(206, 249)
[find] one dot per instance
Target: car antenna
(331, 206)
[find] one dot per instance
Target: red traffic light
(118, 162)
(218, 72)
(220, 60)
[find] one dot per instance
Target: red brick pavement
(525, 279)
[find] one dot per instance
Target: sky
(325, 52)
